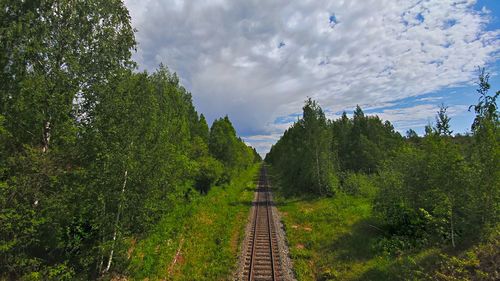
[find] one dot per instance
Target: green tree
(444, 188)
(304, 154)
(342, 130)
(55, 56)
(222, 141)
(225, 146)
(366, 141)
(486, 151)
(412, 136)
(443, 122)
(318, 161)
(91, 153)
(203, 130)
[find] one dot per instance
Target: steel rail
(259, 236)
(271, 248)
(254, 238)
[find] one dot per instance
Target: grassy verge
(338, 239)
(199, 241)
(330, 238)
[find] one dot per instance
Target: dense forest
(438, 189)
(91, 150)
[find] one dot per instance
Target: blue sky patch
(332, 20)
(420, 18)
(450, 23)
(287, 119)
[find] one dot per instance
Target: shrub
(210, 172)
(358, 184)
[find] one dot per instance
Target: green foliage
(256, 156)
(343, 238)
(358, 184)
(225, 146)
(304, 155)
(222, 141)
(486, 108)
(425, 193)
(430, 194)
(202, 129)
(329, 238)
(91, 153)
(210, 171)
(411, 134)
(314, 151)
(478, 263)
(53, 53)
(368, 141)
(443, 122)
(486, 152)
(203, 234)
(434, 191)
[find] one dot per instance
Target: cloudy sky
(257, 61)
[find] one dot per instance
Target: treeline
(314, 153)
(437, 189)
(92, 152)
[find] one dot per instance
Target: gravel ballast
(284, 258)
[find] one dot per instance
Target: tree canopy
(438, 189)
(314, 152)
(90, 150)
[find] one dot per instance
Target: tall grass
(200, 240)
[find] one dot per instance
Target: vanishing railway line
(262, 256)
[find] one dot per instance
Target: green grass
(208, 233)
(337, 239)
(330, 238)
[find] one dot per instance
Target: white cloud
(417, 116)
(379, 51)
(262, 143)
(428, 99)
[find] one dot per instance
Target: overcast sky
(257, 61)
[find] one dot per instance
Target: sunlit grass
(208, 233)
(337, 238)
(330, 238)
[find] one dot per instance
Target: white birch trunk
(46, 136)
(115, 233)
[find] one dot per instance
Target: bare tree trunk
(115, 233)
(45, 148)
(46, 136)
(101, 262)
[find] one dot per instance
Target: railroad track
(262, 255)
